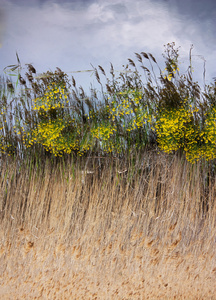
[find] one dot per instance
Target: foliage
(166, 112)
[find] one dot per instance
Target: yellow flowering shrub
(131, 113)
(171, 127)
(141, 119)
(206, 147)
(55, 130)
(193, 146)
(53, 98)
(176, 130)
(49, 134)
(209, 135)
(115, 125)
(103, 133)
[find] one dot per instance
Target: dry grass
(149, 234)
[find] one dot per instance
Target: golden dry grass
(152, 237)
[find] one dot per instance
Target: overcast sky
(73, 34)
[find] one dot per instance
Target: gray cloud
(2, 25)
(73, 34)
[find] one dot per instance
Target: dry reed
(146, 233)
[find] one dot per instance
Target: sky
(74, 34)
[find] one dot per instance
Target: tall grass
(165, 111)
(146, 232)
(92, 203)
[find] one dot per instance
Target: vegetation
(146, 232)
(168, 113)
(109, 197)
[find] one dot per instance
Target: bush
(168, 112)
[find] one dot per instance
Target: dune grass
(123, 231)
